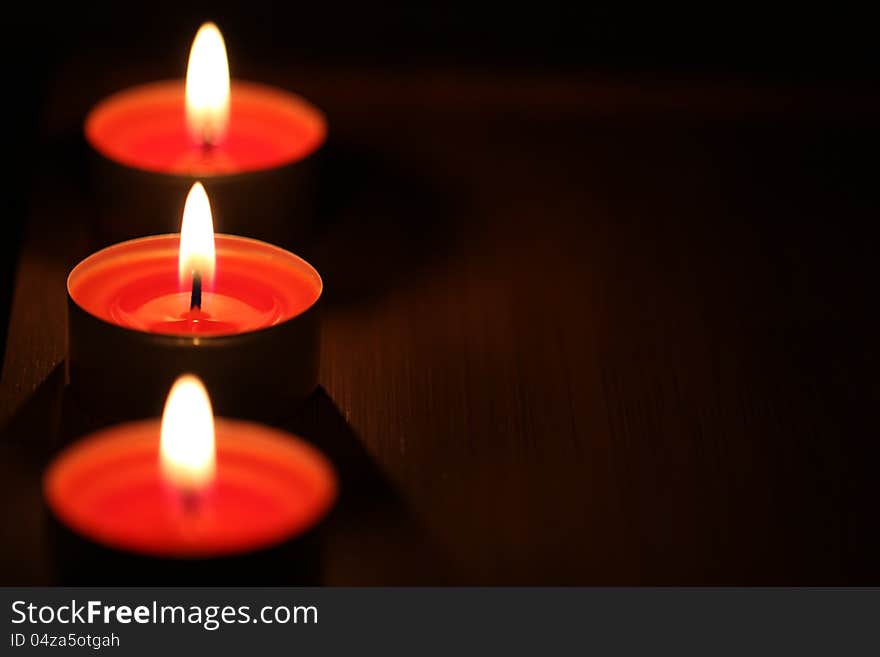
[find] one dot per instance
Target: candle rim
(265, 434)
(316, 114)
(202, 340)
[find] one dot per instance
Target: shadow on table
(380, 221)
(373, 536)
(26, 444)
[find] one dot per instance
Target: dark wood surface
(579, 330)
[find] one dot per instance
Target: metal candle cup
(260, 170)
(130, 331)
(204, 501)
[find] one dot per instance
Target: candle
(227, 308)
(189, 487)
(252, 144)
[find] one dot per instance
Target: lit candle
(252, 144)
(190, 487)
(223, 307)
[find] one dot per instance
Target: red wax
(145, 128)
(135, 284)
(269, 486)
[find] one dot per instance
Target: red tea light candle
(190, 487)
(237, 312)
(253, 146)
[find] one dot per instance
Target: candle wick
(195, 301)
(207, 144)
(191, 502)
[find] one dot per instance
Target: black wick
(195, 301)
(191, 502)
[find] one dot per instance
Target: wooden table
(580, 330)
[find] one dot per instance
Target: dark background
(765, 45)
(762, 44)
(624, 329)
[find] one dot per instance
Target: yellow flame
(186, 446)
(207, 87)
(196, 238)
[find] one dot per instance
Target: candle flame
(186, 445)
(196, 238)
(207, 87)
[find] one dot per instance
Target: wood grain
(562, 346)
